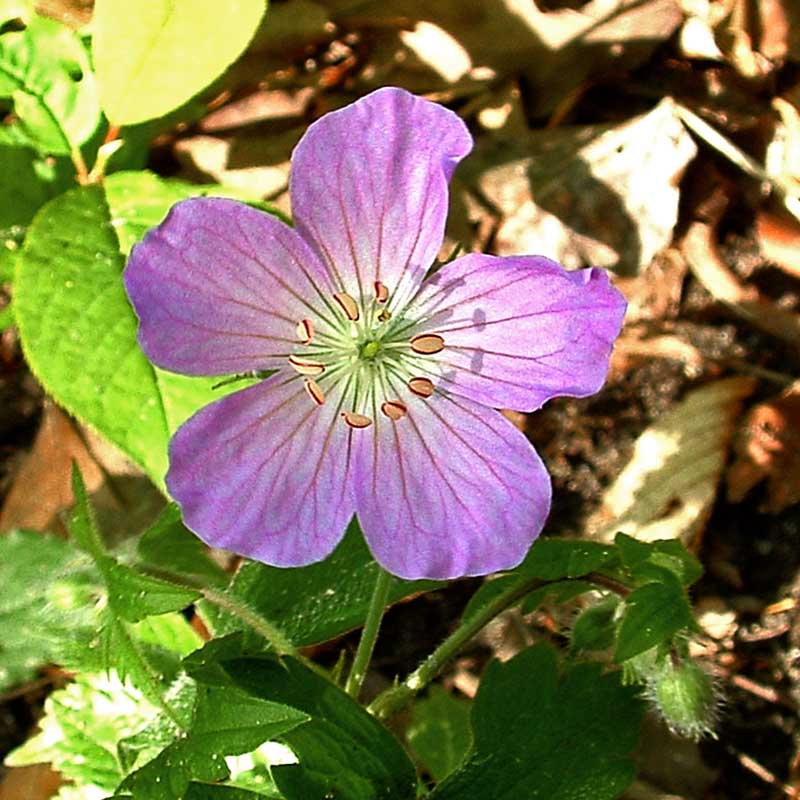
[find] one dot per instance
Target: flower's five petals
(265, 472)
(219, 288)
(521, 329)
(450, 489)
(369, 189)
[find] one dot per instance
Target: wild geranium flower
(384, 400)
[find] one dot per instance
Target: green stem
(392, 700)
(228, 602)
(380, 595)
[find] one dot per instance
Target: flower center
(370, 349)
(375, 353)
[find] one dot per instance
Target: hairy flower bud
(685, 696)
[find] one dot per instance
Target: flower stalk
(369, 635)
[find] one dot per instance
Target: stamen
(305, 366)
(347, 304)
(427, 343)
(314, 391)
(394, 409)
(305, 331)
(356, 420)
(381, 293)
(422, 387)
(385, 315)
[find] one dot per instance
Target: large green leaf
(45, 72)
(153, 55)
(78, 329)
(315, 603)
(544, 736)
(343, 752)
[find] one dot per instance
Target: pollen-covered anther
(394, 409)
(356, 420)
(385, 315)
(347, 304)
(314, 391)
(422, 387)
(305, 331)
(305, 366)
(381, 293)
(427, 343)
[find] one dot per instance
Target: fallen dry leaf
(124, 500)
(606, 196)
(668, 488)
(768, 448)
(36, 782)
(779, 240)
(702, 255)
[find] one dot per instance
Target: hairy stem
(392, 700)
(380, 594)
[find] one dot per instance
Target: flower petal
(264, 473)
(369, 189)
(519, 330)
(220, 287)
(450, 489)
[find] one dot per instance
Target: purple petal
(220, 287)
(451, 489)
(265, 473)
(520, 330)
(369, 189)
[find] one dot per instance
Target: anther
(306, 366)
(356, 420)
(347, 304)
(381, 293)
(305, 331)
(314, 391)
(385, 315)
(421, 387)
(394, 409)
(427, 343)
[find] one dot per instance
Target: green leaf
(45, 71)
(135, 596)
(315, 603)
(226, 722)
(77, 328)
(153, 55)
(48, 597)
(645, 560)
(169, 544)
(544, 736)
(595, 629)
(653, 613)
(81, 727)
(343, 751)
(553, 559)
(440, 732)
(82, 525)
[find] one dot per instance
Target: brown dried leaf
(779, 240)
(768, 447)
(36, 782)
(605, 196)
(667, 489)
(700, 250)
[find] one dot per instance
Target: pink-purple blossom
(384, 400)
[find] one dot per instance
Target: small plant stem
(81, 170)
(228, 602)
(380, 594)
(392, 700)
(263, 627)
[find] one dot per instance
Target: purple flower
(384, 401)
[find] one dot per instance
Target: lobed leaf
(541, 735)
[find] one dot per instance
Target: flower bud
(686, 697)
